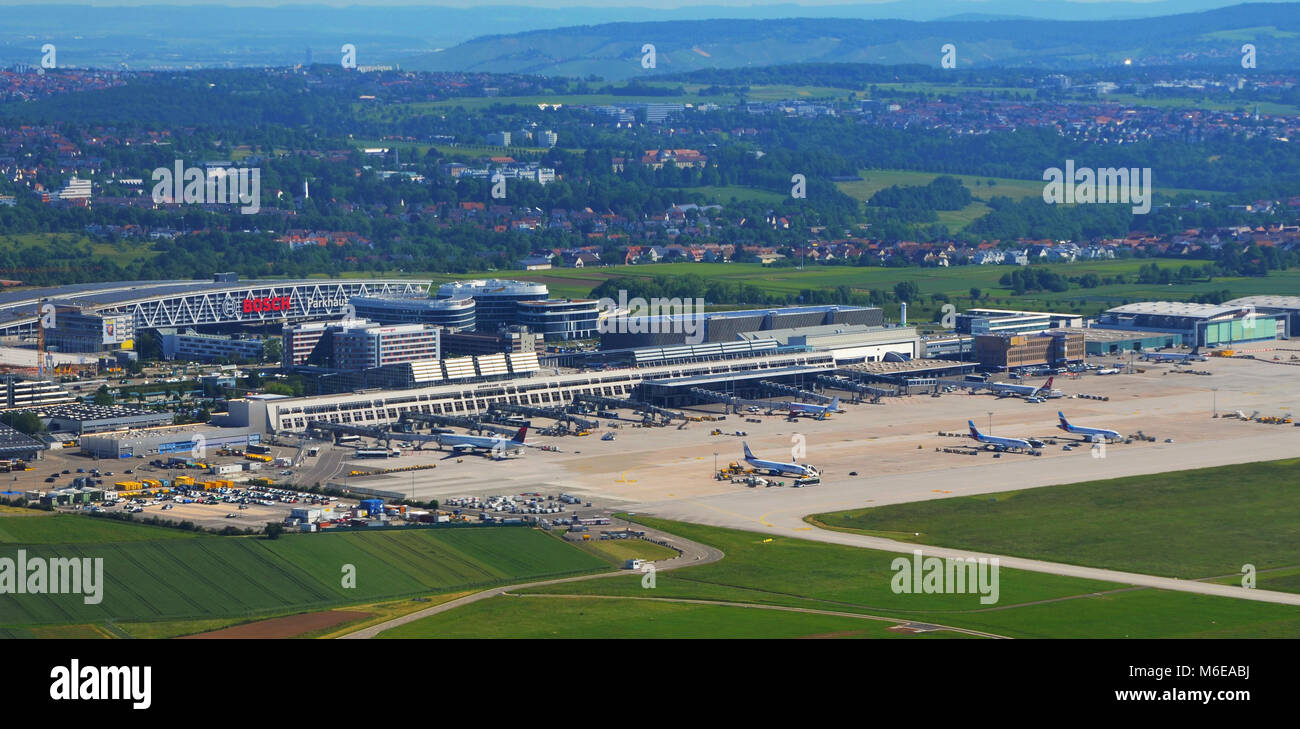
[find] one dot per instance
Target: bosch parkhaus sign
(257, 305)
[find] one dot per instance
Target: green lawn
(215, 577)
(1188, 524)
(799, 573)
(619, 551)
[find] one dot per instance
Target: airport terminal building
(385, 407)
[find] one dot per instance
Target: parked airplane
(817, 411)
(999, 443)
(498, 445)
(776, 468)
(1109, 371)
(1192, 356)
(1090, 434)
(1003, 389)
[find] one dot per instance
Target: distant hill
(613, 50)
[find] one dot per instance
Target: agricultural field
(1189, 524)
(796, 573)
(217, 577)
(37, 527)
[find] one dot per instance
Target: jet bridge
(796, 392)
(458, 421)
(553, 413)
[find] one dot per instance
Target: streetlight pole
(990, 421)
(1214, 399)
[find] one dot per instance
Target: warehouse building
(1101, 341)
(15, 445)
(82, 419)
(1202, 325)
(1287, 307)
(163, 441)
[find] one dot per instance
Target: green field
(798, 573)
(216, 577)
(1187, 524)
(873, 181)
(619, 551)
(723, 194)
(534, 617)
(49, 528)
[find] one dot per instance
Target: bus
(345, 439)
(371, 453)
(313, 451)
(256, 448)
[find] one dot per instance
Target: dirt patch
(290, 626)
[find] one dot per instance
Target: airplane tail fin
(748, 452)
(519, 437)
(1065, 424)
(1047, 386)
(974, 432)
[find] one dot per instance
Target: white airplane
(1005, 389)
(776, 468)
(1193, 356)
(498, 445)
(1109, 371)
(1090, 434)
(817, 411)
(998, 442)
